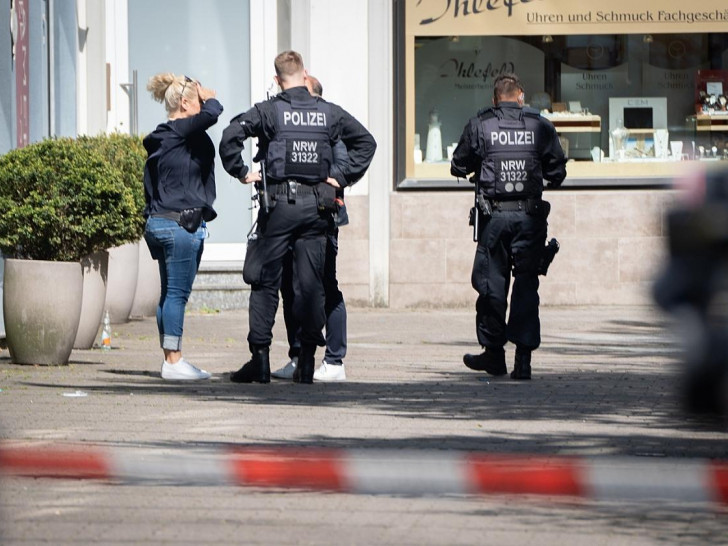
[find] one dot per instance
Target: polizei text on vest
(304, 118)
(514, 138)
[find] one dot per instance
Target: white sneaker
(286, 372)
(182, 371)
(330, 372)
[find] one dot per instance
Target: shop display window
(626, 106)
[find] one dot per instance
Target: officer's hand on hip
(332, 182)
(251, 177)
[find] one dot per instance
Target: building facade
(413, 71)
(650, 76)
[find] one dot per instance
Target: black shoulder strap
(303, 103)
(531, 112)
(279, 97)
(487, 113)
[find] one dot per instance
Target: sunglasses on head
(187, 80)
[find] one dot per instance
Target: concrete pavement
(606, 383)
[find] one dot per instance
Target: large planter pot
(149, 286)
(42, 306)
(95, 272)
(2, 319)
(122, 281)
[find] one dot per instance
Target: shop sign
(534, 17)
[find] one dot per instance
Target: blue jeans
(178, 253)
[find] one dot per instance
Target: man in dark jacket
(332, 366)
(510, 150)
(296, 133)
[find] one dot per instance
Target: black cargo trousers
(508, 242)
(334, 304)
(296, 223)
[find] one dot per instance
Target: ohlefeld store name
(465, 8)
(504, 17)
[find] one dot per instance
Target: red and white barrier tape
(385, 471)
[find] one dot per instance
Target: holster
(325, 197)
(265, 199)
(538, 207)
(547, 256)
(484, 206)
(254, 260)
(190, 219)
(481, 211)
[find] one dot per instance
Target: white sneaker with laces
(182, 371)
(286, 372)
(330, 372)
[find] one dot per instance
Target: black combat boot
(522, 368)
(493, 361)
(306, 364)
(256, 370)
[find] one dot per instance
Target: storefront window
(626, 106)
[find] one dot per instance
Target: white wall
(348, 45)
(350, 49)
(91, 106)
(117, 56)
(338, 57)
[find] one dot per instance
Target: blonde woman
(179, 187)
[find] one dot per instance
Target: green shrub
(61, 199)
(127, 154)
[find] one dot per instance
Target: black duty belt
(169, 215)
(533, 206)
(290, 187)
(521, 204)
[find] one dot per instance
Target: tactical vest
(301, 147)
(511, 166)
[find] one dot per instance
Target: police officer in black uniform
(510, 150)
(332, 366)
(296, 132)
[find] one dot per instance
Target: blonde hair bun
(159, 83)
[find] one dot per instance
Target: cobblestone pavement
(606, 383)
